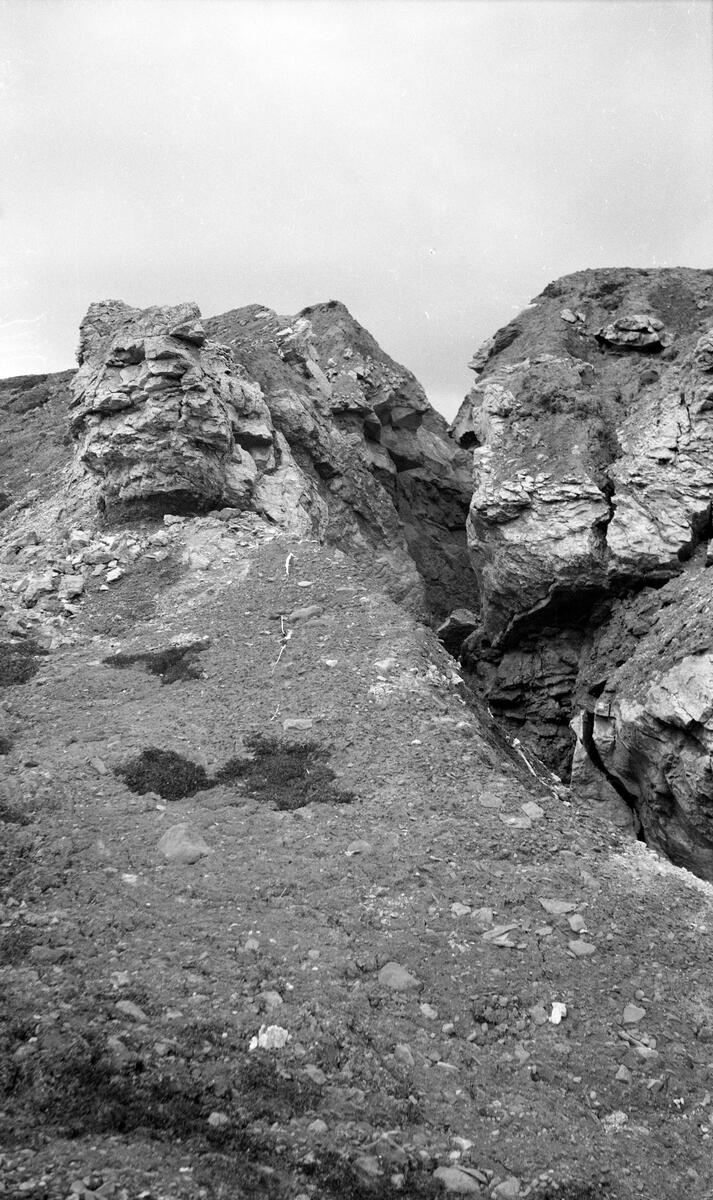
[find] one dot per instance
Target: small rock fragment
(509, 1189)
(404, 1055)
(304, 614)
(269, 1037)
(532, 810)
(581, 949)
(633, 1013)
(396, 977)
(515, 821)
(557, 908)
(297, 723)
(460, 910)
(429, 1012)
(559, 1012)
(577, 923)
(623, 1074)
(358, 847)
(457, 1182)
(218, 1120)
(131, 1010)
(182, 845)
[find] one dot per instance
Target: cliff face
(592, 432)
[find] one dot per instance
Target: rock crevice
(592, 443)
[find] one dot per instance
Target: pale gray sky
(432, 163)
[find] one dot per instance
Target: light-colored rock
(182, 845)
(457, 1182)
(395, 977)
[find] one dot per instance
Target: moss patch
(288, 774)
(18, 662)
(163, 771)
(291, 774)
(172, 664)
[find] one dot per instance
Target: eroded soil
(131, 988)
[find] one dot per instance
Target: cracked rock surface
(592, 437)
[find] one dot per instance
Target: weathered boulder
(159, 411)
(395, 485)
(593, 480)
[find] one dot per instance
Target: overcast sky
(432, 163)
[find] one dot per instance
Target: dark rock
(588, 532)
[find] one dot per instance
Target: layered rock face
(360, 427)
(161, 412)
(591, 424)
(305, 420)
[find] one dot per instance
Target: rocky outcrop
(592, 432)
(360, 427)
(159, 411)
(304, 420)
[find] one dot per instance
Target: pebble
(272, 1000)
(113, 576)
(514, 821)
(458, 1182)
(358, 847)
(623, 1074)
(182, 845)
(557, 908)
(577, 923)
(488, 800)
(559, 1012)
(131, 1010)
(318, 1126)
(509, 1189)
(297, 723)
(393, 975)
(533, 810)
(218, 1120)
(429, 1012)
(304, 614)
(460, 910)
(404, 1055)
(581, 949)
(633, 1013)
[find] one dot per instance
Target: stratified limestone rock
(159, 411)
(394, 484)
(593, 480)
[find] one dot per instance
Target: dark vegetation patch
(11, 814)
(15, 945)
(18, 661)
(171, 665)
(15, 851)
(6, 745)
(288, 774)
(291, 774)
(73, 1083)
(165, 772)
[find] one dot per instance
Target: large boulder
(160, 411)
(591, 427)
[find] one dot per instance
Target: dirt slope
(131, 988)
